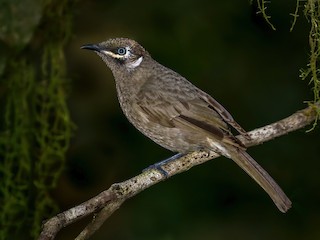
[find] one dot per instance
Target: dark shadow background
(224, 48)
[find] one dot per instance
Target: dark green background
(228, 51)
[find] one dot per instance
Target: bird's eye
(122, 51)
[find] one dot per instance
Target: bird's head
(119, 53)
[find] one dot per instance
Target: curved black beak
(93, 47)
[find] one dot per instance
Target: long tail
(254, 170)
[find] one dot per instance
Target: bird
(174, 113)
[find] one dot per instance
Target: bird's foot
(158, 166)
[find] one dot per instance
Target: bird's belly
(170, 138)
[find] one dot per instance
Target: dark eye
(122, 51)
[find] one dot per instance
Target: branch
(111, 199)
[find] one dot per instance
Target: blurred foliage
(19, 20)
(35, 124)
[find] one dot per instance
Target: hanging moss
(261, 6)
(311, 73)
(16, 142)
(36, 126)
(311, 9)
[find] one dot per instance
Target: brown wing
(212, 103)
(187, 111)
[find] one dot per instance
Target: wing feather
(196, 111)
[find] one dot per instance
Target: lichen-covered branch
(111, 199)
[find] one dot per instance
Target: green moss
(311, 10)
(311, 73)
(36, 127)
(262, 7)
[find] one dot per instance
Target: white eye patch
(134, 64)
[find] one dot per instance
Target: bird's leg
(158, 165)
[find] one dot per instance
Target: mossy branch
(107, 202)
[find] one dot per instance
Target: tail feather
(255, 171)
